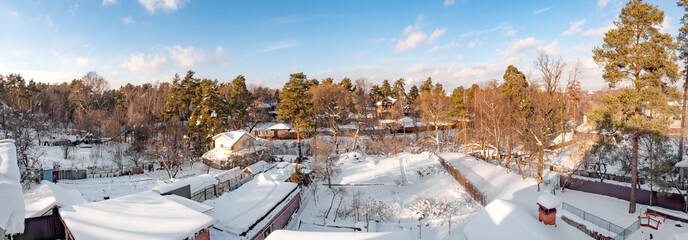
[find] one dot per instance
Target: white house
(230, 146)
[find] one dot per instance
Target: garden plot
(377, 187)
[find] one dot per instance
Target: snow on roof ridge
(43, 197)
(196, 183)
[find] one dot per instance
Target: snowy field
(496, 184)
(389, 188)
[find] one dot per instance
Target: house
(144, 215)
(11, 203)
(274, 131)
(232, 149)
(255, 209)
(197, 188)
(40, 200)
(43, 205)
(390, 107)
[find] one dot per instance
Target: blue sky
(456, 42)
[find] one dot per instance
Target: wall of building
(281, 219)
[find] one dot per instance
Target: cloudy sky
(456, 42)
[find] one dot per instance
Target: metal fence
(467, 185)
(218, 189)
(628, 231)
(205, 194)
(621, 233)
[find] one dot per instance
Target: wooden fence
(470, 188)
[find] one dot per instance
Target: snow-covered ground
(95, 189)
(493, 181)
(378, 182)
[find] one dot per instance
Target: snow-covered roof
(549, 201)
(236, 211)
(258, 167)
(281, 172)
(46, 195)
(300, 235)
(144, 215)
(228, 174)
(196, 183)
(280, 126)
(503, 219)
(387, 101)
(11, 203)
(233, 137)
(683, 163)
(196, 206)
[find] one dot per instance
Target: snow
(46, 195)
(680, 236)
(237, 210)
(145, 215)
(196, 206)
(295, 235)
(280, 126)
(258, 167)
(549, 201)
(682, 164)
(196, 183)
(281, 172)
(503, 219)
(12, 208)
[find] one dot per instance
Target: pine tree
(639, 58)
(346, 83)
(427, 85)
(683, 53)
(514, 86)
(295, 107)
(413, 94)
(398, 88)
(386, 89)
(240, 99)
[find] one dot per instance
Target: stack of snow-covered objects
(192, 187)
(144, 215)
(255, 209)
(258, 167)
(12, 209)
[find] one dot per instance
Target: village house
(231, 149)
(255, 209)
(144, 215)
(390, 108)
(274, 131)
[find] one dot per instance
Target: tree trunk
(634, 182)
(465, 138)
(683, 120)
(298, 141)
(540, 164)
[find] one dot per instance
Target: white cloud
(279, 45)
(542, 10)
(505, 28)
(127, 20)
(438, 48)
(449, 2)
(81, 61)
(360, 56)
(188, 57)
(106, 2)
(602, 3)
(459, 58)
(598, 32)
(474, 43)
(165, 5)
(575, 27)
(138, 63)
(13, 13)
(666, 24)
(415, 35)
(519, 51)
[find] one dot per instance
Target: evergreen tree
(683, 53)
(346, 83)
(398, 88)
(386, 89)
(240, 99)
(639, 58)
(514, 87)
(328, 80)
(376, 93)
(295, 107)
(427, 85)
(413, 94)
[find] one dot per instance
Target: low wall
(673, 201)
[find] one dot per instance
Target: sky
(456, 42)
